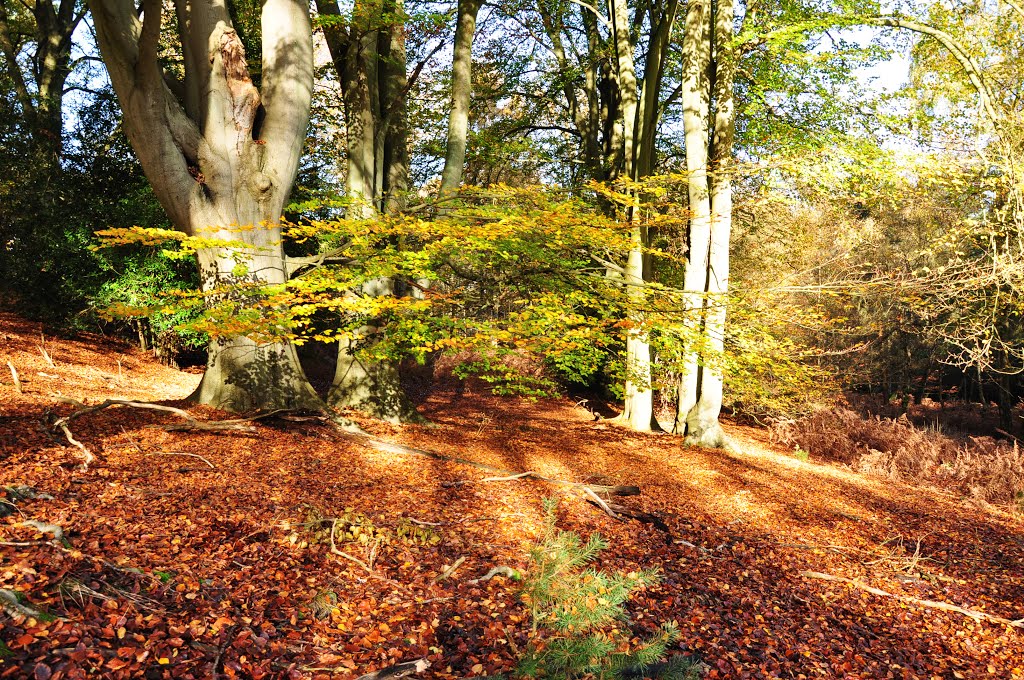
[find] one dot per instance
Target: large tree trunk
(221, 158)
(370, 61)
(462, 88)
(372, 387)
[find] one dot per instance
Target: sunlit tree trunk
(696, 100)
(221, 155)
(462, 88)
(638, 410)
(702, 426)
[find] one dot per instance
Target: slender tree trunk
(696, 97)
(638, 410)
(702, 426)
(462, 88)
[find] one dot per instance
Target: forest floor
(171, 568)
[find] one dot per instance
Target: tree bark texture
(709, 141)
(369, 58)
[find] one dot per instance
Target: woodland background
(443, 224)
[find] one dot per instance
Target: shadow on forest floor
(188, 571)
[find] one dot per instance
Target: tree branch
(968, 64)
(11, 58)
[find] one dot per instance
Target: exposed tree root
(191, 422)
(182, 453)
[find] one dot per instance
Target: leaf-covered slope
(173, 569)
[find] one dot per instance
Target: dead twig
(229, 637)
(181, 453)
(931, 604)
(23, 544)
(42, 350)
(495, 571)
(14, 376)
(600, 503)
(398, 670)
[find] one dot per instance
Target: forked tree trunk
(221, 158)
(369, 59)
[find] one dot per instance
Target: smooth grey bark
(221, 157)
(462, 88)
(638, 409)
(616, 118)
(702, 426)
(696, 100)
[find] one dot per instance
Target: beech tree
(221, 156)
(368, 51)
(462, 87)
(709, 117)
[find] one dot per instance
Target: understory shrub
(981, 467)
(579, 615)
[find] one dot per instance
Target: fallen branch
(509, 478)
(600, 503)
(88, 455)
(388, 447)
(450, 570)
(46, 356)
(619, 511)
(11, 603)
(191, 423)
(45, 528)
(398, 671)
(181, 453)
(931, 604)
(228, 639)
(495, 571)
